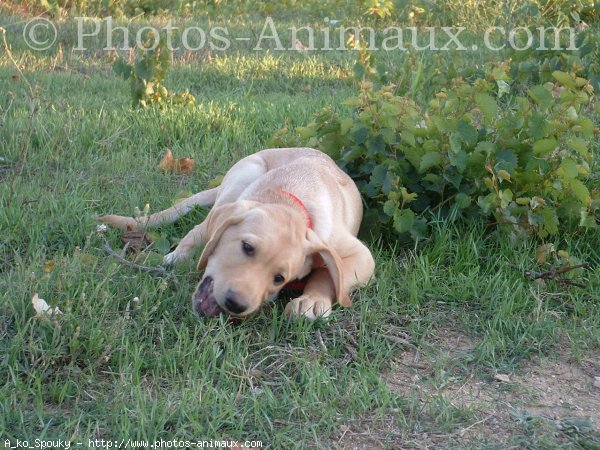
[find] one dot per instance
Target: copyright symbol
(39, 34)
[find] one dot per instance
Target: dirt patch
(562, 388)
(550, 396)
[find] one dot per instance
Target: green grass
(100, 371)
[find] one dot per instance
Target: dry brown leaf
(184, 166)
(42, 308)
(167, 163)
(136, 240)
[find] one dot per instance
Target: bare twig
(552, 273)
(568, 282)
(555, 274)
(156, 270)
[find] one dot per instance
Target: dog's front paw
(174, 257)
(309, 307)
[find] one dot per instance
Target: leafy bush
(481, 15)
(534, 65)
(559, 13)
(147, 74)
(137, 8)
(115, 8)
(483, 149)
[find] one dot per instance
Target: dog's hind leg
(169, 215)
(236, 180)
(241, 175)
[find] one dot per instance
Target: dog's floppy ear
(332, 261)
(217, 221)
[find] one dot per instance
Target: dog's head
(253, 250)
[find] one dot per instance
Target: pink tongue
(204, 300)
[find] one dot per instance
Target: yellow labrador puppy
(279, 215)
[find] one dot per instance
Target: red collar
(298, 202)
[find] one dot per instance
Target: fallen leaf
(42, 308)
(184, 166)
(137, 240)
(502, 377)
(167, 163)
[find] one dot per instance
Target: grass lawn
(452, 346)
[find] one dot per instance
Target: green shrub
(147, 74)
(115, 8)
(536, 66)
(484, 149)
(481, 15)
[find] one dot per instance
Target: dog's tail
(169, 215)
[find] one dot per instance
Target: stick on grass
(155, 270)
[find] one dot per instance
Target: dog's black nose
(234, 303)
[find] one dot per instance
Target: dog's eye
(247, 248)
(278, 279)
